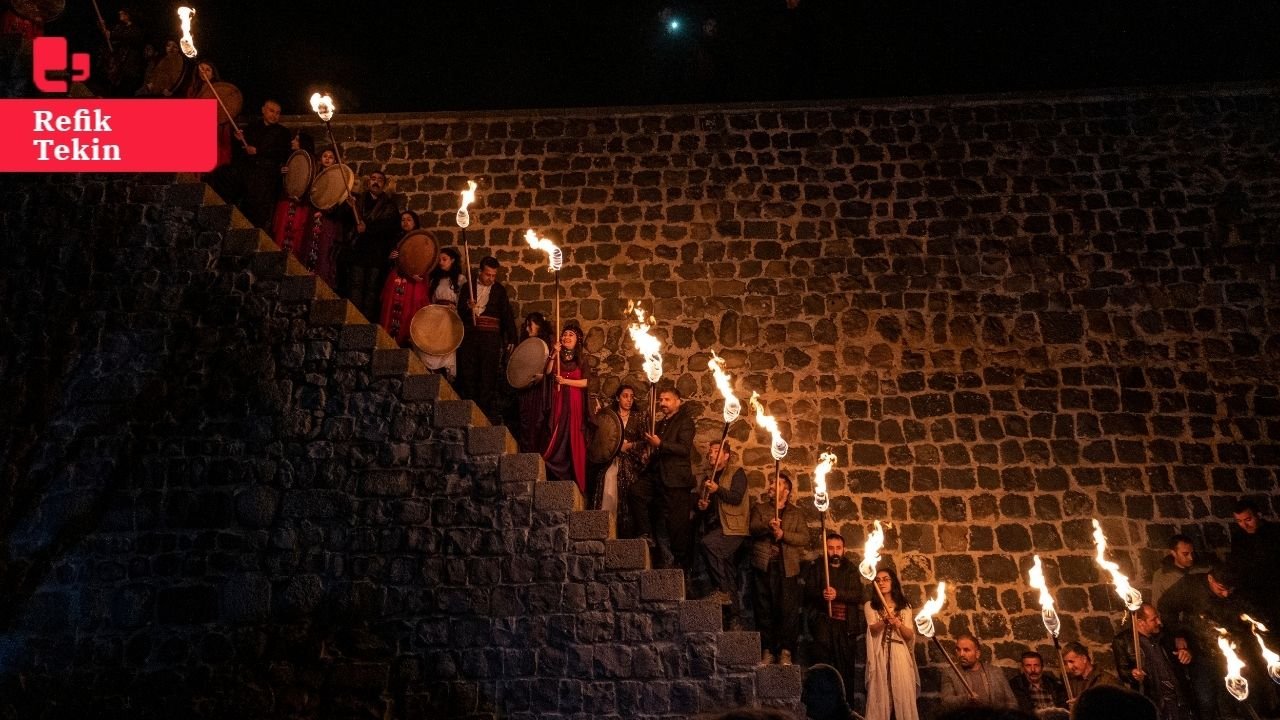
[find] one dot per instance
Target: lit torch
(463, 218)
(1048, 615)
(322, 106)
(1236, 684)
(187, 43)
(649, 347)
(871, 553)
(555, 260)
(924, 624)
(778, 447)
(1130, 596)
(1273, 660)
(732, 407)
(822, 502)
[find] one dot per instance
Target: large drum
(528, 363)
(331, 186)
(297, 175)
(607, 440)
(419, 253)
(166, 76)
(39, 10)
(231, 99)
(436, 330)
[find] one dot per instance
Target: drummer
(447, 286)
(291, 217)
(404, 295)
(480, 373)
(534, 401)
(206, 75)
(328, 229)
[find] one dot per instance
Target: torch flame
(187, 44)
(555, 258)
(871, 553)
(1047, 614)
(724, 383)
(323, 106)
(924, 621)
(820, 499)
(779, 446)
(468, 196)
(1273, 660)
(646, 343)
(1236, 684)
(1131, 597)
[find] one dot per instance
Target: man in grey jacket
(983, 684)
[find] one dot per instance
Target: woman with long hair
(535, 401)
(566, 452)
(893, 682)
(610, 492)
(206, 74)
(291, 218)
(447, 286)
(403, 295)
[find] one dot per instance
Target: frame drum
(436, 330)
(419, 253)
(231, 97)
(39, 10)
(297, 175)
(607, 440)
(528, 363)
(331, 186)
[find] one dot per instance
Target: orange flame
(463, 218)
(323, 106)
(187, 43)
(1131, 597)
(820, 499)
(871, 552)
(1273, 660)
(1236, 684)
(778, 448)
(555, 258)
(1047, 614)
(646, 343)
(724, 383)
(924, 621)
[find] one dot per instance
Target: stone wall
(1006, 317)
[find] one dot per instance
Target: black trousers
(649, 497)
(777, 600)
(720, 553)
(835, 644)
(362, 285)
(479, 368)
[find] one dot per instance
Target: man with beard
(723, 508)
(665, 487)
(1034, 688)
(362, 263)
(987, 683)
(492, 334)
(1084, 675)
(1161, 678)
(780, 537)
(835, 602)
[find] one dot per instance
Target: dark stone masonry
(226, 493)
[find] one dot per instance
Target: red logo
(50, 66)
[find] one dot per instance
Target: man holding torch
(834, 598)
(723, 507)
(983, 684)
(1161, 678)
(666, 487)
(780, 538)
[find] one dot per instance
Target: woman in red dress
(292, 217)
(404, 295)
(535, 400)
(207, 74)
(566, 453)
(328, 231)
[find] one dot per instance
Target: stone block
(458, 414)
(591, 525)
(244, 599)
(701, 616)
(521, 468)
(490, 440)
(420, 387)
(241, 241)
(778, 682)
(629, 554)
(738, 649)
(662, 585)
(191, 194)
(557, 495)
(390, 362)
(298, 288)
(359, 336)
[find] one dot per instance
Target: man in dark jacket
(1162, 679)
(363, 263)
(264, 150)
(1180, 562)
(723, 508)
(1255, 557)
(665, 486)
(492, 334)
(780, 537)
(1036, 689)
(835, 608)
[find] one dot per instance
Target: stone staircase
(604, 633)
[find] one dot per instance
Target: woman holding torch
(893, 681)
(566, 453)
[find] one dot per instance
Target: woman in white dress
(893, 682)
(448, 285)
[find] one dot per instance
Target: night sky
(432, 55)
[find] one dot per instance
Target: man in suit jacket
(665, 486)
(492, 333)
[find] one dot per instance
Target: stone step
(522, 468)
(592, 525)
(628, 554)
(557, 495)
(665, 585)
(777, 682)
(738, 648)
(335, 312)
(701, 616)
(490, 440)
(459, 414)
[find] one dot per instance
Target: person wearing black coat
(665, 488)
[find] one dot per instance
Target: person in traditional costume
(893, 681)
(404, 295)
(535, 401)
(448, 287)
(566, 452)
(493, 334)
(292, 217)
(610, 490)
(327, 232)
